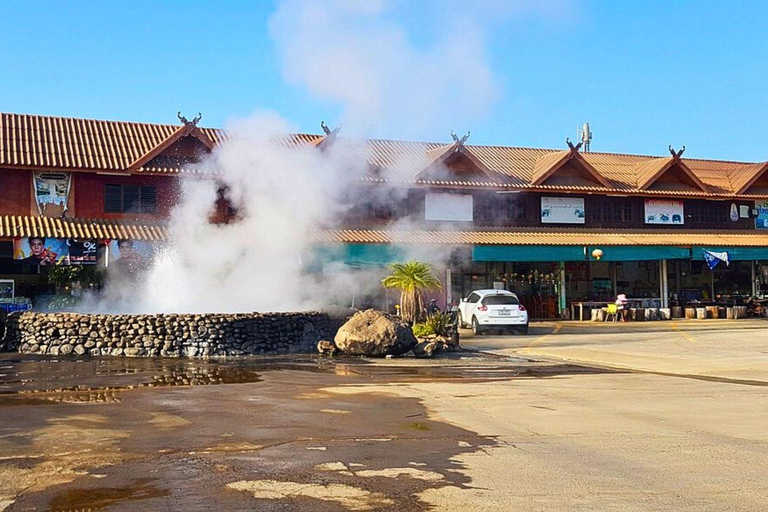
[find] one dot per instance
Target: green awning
(734, 253)
(641, 253)
(359, 255)
(528, 253)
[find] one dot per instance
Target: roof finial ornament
(676, 154)
(570, 144)
(186, 121)
(328, 132)
(460, 141)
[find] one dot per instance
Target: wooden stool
(677, 312)
(701, 313)
(690, 313)
(665, 313)
(721, 312)
(640, 314)
(730, 313)
(711, 311)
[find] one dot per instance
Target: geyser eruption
(282, 193)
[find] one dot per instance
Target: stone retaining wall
(172, 335)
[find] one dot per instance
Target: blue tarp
(734, 253)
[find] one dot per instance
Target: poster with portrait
(130, 255)
(761, 221)
(562, 210)
(52, 189)
(40, 251)
(663, 211)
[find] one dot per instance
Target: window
(500, 300)
(612, 211)
(708, 213)
(130, 198)
(499, 209)
(473, 297)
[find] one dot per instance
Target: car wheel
(524, 330)
(476, 329)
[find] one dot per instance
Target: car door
(468, 307)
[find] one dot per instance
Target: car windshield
(498, 300)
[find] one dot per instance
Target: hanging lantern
(597, 254)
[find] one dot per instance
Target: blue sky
(645, 74)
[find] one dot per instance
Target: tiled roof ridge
(380, 139)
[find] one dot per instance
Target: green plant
(63, 302)
(439, 323)
(65, 275)
(412, 279)
(422, 329)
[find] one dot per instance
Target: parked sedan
(489, 309)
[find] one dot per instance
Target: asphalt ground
(653, 416)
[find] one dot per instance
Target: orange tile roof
(43, 142)
(550, 237)
(19, 226)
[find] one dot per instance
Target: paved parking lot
(730, 349)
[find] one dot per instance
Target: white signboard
(562, 210)
(454, 207)
(663, 211)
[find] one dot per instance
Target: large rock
(374, 333)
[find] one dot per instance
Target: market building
(559, 227)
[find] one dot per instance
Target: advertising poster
(40, 251)
(82, 252)
(663, 211)
(761, 221)
(130, 255)
(562, 210)
(52, 188)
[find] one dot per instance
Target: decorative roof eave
(554, 236)
(656, 168)
(186, 130)
(548, 165)
(441, 154)
(752, 179)
(16, 226)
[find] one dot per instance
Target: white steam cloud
(348, 51)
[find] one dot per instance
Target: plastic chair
(612, 311)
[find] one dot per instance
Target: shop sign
(448, 207)
(52, 188)
(661, 211)
(82, 252)
(562, 210)
(761, 221)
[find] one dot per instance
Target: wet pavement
(241, 434)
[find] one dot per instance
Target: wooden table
(581, 306)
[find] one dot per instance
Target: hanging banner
(82, 252)
(713, 258)
(661, 211)
(40, 251)
(761, 221)
(562, 210)
(52, 188)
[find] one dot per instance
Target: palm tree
(412, 279)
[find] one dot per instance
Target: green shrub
(439, 323)
(422, 329)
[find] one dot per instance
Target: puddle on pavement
(100, 498)
(30, 379)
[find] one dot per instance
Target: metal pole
(613, 278)
(664, 284)
(754, 278)
(448, 286)
(712, 282)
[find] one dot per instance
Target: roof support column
(664, 283)
(561, 289)
(754, 277)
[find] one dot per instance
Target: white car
(488, 309)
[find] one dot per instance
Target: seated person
(622, 306)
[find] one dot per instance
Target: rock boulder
(375, 333)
